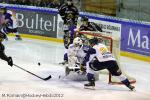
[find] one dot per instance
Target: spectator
(46, 2)
(54, 4)
(2, 1)
(32, 2)
(14, 1)
(25, 2)
(39, 3)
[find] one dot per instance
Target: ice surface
(28, 53)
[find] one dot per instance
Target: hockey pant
(68, 35)
(111, 66)
(2, 54)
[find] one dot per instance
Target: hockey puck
(59, 77)
(39, 63)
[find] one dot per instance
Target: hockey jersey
(12, 23)
(78, 52)
(69, 13)
(99, 52)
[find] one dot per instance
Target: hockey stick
(45, 79)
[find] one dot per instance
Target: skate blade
(133, 90)
(89, 87)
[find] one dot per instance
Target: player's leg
(66, 43)
(93, 66)
(4, 32)
(15, 31)
(65, 57)
(113, 68)
(66, 36)
(2, 53)
(72, 32)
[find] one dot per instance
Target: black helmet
(84, 18)
(93, 41)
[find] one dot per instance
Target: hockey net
(113, 44)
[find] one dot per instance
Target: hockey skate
(90, 85)
(18, 38)
(127, 83)
(132, 88)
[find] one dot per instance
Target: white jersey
(78, 52)
(102, 53)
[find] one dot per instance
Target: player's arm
(76, 14)
(82, 28)
(3, 55)
(61, 11)
(96, 27)
(89, 57)
(7, 18)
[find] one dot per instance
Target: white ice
(28, 53)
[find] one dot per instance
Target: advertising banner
(136, 39)
(36, 22)
(111, 28)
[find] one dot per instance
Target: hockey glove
(10, 61)
(82, 68)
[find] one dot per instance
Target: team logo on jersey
(103, 50)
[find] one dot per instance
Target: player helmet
(93, 41)
(77, 41)
(84, 18)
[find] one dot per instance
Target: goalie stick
(45, 79)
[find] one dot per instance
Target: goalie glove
(82, 68)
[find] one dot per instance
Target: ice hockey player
(9, 23)
(89, 26)
(98, 58)
(2, 52)
(69, 13)
(76, 52)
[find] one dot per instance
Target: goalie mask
(77, 42)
